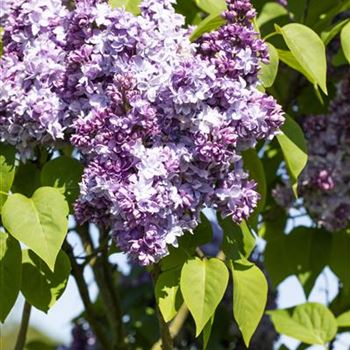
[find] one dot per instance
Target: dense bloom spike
(163, 121)
(160, 122)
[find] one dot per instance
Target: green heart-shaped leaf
(249, 297)
(203, 284)
(39, 222)
(167, 292)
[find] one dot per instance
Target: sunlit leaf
(311, 323)
(294, 149)
(129, 5)
(343, 320)
(210, 23)
(167, 293)
(212, 6)
(345, 41)
(308, 49)
(249, 297)
(268, 72)
(269, 12)
(40, 222)
(203, 284)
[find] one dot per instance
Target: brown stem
(175, 326)
(104, 279)
(179, 321)
(166, 341)
(115, 302)
(91, 315)
(22, 334)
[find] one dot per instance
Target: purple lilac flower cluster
(32, 73)
(162, 121)
(324, 184)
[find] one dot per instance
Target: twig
(91, 315)
(113, 297)
(166, 341)
(179, 320)
(306, 11)
(86, 258)
(200, 253)
(103, 276)
(175, 326)
(332, 344)
(22, 334)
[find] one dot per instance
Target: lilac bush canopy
(160, 122)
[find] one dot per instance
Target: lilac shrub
(162, 121)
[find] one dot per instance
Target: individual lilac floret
(161, 123)
(32, 72)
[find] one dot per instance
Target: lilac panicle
(162, 121)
